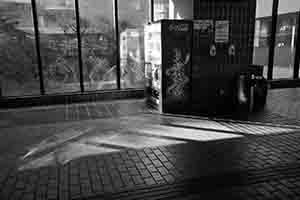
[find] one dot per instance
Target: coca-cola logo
(179, 27)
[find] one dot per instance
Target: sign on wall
(222, 31)
(203, 33)
(204, 26)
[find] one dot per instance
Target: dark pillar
(79, 46)
(272, 39)
(297, 52)
(37, 42)
(117, 43)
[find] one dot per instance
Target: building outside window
(262, 33)
(285, 42)
(99, 48)
(285, 46)
(19, 68)
(58, 45)
(173, 9)
(133, 15)
(60, 62)
(161, 9)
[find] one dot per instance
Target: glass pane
(161, 9)
(98, 44)
(133, 15)
(285, 39)
(18, 68)
(58, 43)
(173, 9)
(263, 27)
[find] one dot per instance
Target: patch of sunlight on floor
(178, 121)
(133, 141)
(64, 155)
(46, 160)
(56, 140)
(205, 124)
(78, 150)
(184, 133)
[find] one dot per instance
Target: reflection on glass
(18, 68)
(285, 40)
(263, 27)
(58, 44)
(161, 9)
(173, 9)
(98, 44)
(133, 16)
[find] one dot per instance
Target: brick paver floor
(121, 150)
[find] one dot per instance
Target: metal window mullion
(273, 39)
(79, 45)
(253, 33)
(37, 43)
(297, 52)
(116, 21)
(151, 10)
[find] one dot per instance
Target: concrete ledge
(284, 83)
(70, 98)
(28, 101)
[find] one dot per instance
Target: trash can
(243, 95)
(252, 90)
(260, 92)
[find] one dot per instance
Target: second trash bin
(252, 89)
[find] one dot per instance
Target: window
(132, 17)
(285, 41)
(161, 9)
(18, 69)
(98, 44)
(58, 44)
(296, 41)
(263, 30)
(173, 9)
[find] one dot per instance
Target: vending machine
(168, 59)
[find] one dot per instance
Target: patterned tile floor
(122, 150)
